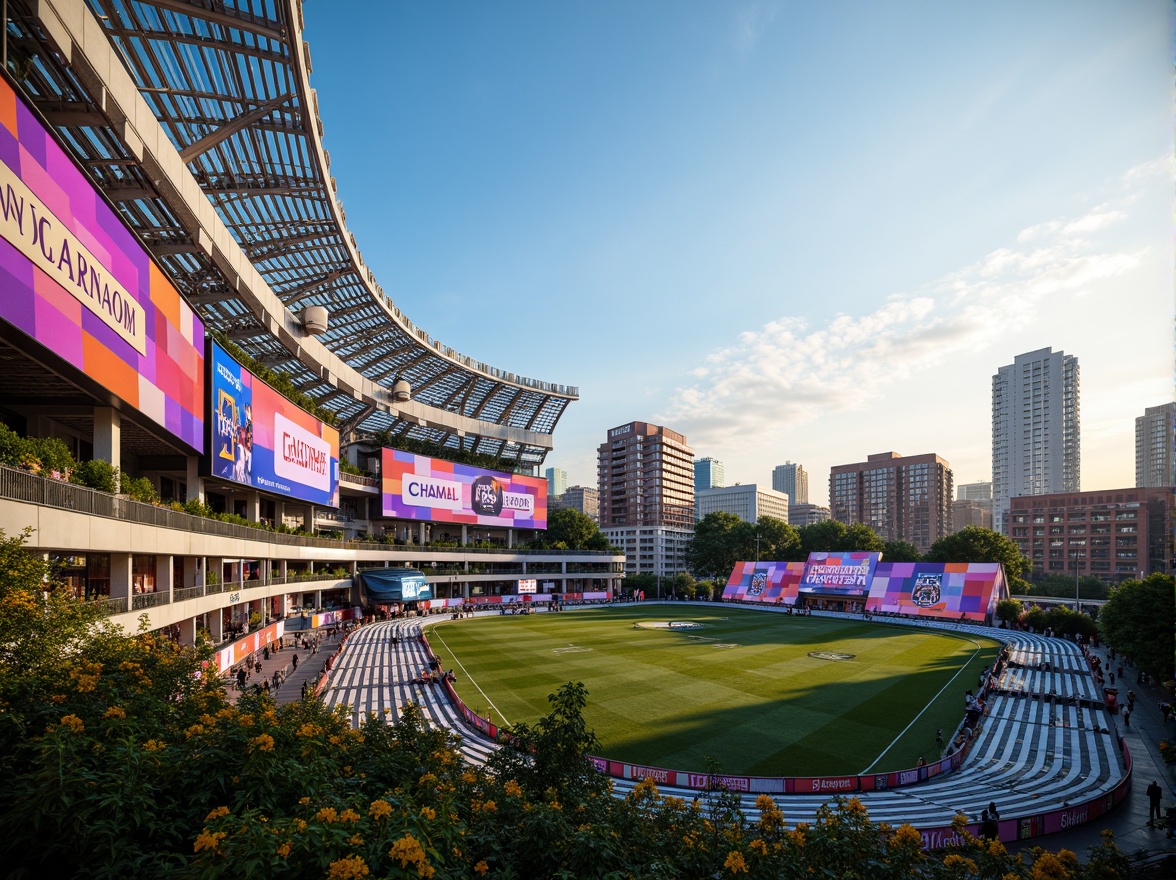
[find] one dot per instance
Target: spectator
(989, 830)
(1154, 795)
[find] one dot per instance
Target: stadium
(183, 301)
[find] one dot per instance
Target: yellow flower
(304, 800)
(1050, 867)
(327, 814)
(491, 807)
(957, 861)
(428, 813)
(347, 868)
(217, 813)
(153, 745)
(299, 825)
(481, 868)
(115, 712)
(379, 809)
(308, 729)
(349, 815)
(355, 840)
(735, 863)
(73, 722)
(907, 836)
(284, 849)
(469, 778)
(759, 847)
(194, 730)
(263, 742)
(208, 841)
(409, 852)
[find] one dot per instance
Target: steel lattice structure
(228, 82)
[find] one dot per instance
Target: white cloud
(788, 373)
(750, 24)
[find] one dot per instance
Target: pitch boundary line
(929, 704)
(489, 702)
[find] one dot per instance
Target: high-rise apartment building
(748, 502)
(1155, 439)
(792, 480)
(582, 498)
(1036, 446)
(708, 474)
(557, 481)
(966, 513)
(645, 479)
(901, 498)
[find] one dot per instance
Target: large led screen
(774, 582)
(258, 438)
(423, 488)
(938, 589)
(839, 574)
(77, 281)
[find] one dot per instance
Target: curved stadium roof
(228, 83)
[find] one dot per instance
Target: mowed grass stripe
(764, 707)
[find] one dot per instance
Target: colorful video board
(774, 582)
(839, 574)
(77, 281)
(938, 589)
(258, 438)
(431, 489)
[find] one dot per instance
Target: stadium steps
(1033, 750)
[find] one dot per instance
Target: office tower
(645, 480)
(748, 502)
(974, 492)
(582, 498)
(1109, 533)
(1155, 459)
(800, 515)
(1036, 445)
(708, 473)
(792, 480)
(966, 513)
(557, 481)
(900, 498)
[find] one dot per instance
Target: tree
(826, 536)
(860, 538)
(1137, 620)
(1009, 610)
(901, 551)
(777, 540)
(716, 545)
(1061, 586)
(976, 544)
(572, 529)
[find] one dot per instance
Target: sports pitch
(739, 687)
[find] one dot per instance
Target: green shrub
(97, 474)
(140, 489)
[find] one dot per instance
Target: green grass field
(741, 689)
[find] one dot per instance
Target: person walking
(1154, 795)
(1127, 717)
(989, 830)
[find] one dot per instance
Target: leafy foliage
(569, 529)
(1138, 620)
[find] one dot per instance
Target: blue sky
(791, 231)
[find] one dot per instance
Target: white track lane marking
(489, 702)
(925, 708)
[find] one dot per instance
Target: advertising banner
(76, 280)
(430, 489)
(938, 589)
(840, 574)
(259, 438)
(250, 644)
(774, 582)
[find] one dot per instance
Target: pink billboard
(435, 490)
(77, 282)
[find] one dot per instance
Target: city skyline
(871, 226)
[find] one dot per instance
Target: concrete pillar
(216, 626)
(108, 435)
(253, 506)
(215, 572)
(192, 569)
(194, 481)
(164, 575)
(422, 534)
(318, 599)
(465, 534)
(120, 577)
(188, 631)
(282, 569)
(510, 539)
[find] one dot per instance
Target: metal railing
(18, 485)
(359, 480)
(148, 600)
